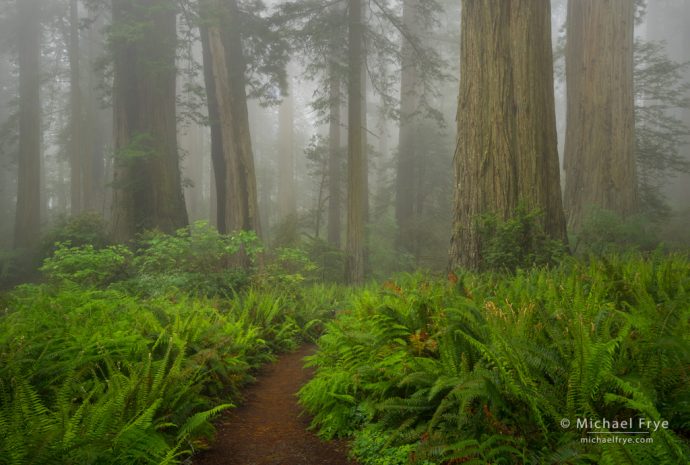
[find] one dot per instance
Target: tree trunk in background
(97, 129)
(356, 167)
(76, 142)
(147, 189)
(8, 174)
(599, 143)
(506, 143)
(334, 159)
(217, 152)
(405, 182)
(245, 181)
(28, 214)
(227, 93)
(286, 159)
(192, 142)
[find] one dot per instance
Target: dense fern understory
(484, 368)
(124, 355)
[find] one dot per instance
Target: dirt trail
(267, 428)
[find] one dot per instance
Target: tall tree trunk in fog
(356, 166)
(224, 66)
(286, 182)
(506, 143)
(217, 153)
(334, 158)
(76, 143)
(599, 143)
(192, 142)
(97, 129)
(28, 213)
(405, 181)
(147, 189)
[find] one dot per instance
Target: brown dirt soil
(269, 427)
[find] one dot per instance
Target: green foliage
(519, 242)
(85, 229)
(92, 376)
(126, 355)
(660, 90)
(482, 368)
(291, 265)
(606, 232)
(197, 259)
(330, 260)
(11, 264)
(371, 446)
(87, 265)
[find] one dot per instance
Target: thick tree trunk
(356, 168)
(506, 143)
(600, 138)
(192, 142)
(228, 95)
(405, 181)
(28, 213)
(76, 142)
(287, 206)
(217, 152)
(334, 159)
(97, 129)
(147, 189)
(246, 173)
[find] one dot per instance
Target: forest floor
(269, 428)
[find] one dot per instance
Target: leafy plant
(102, 376)
(482, 368)
(518, 242)
(87, 265)
(604, 232)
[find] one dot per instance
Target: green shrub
(519, 242)
(84, 229)
(605, 232)
(91, 376)
(330, 260)
(371, 446)
(483, 368)
(197, 259)
(87, 265)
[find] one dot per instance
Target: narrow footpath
(268, 428)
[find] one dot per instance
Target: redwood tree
(356, 161)
(147, 187)
(600, 138)
(408, 145)
(287, 204)
(233, 161)
(77, 156)
(28, 212)
(334, 156)
(506, 143)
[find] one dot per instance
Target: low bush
(90, 376)
(605, 232)
(482, 368)
(86, 228)
(195, 260)
(124, 356)
(519, 242)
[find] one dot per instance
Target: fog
(290, 53)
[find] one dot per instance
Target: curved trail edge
(269, 427)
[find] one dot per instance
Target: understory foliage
(125, 355)
(518, 242)
(482, 368)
